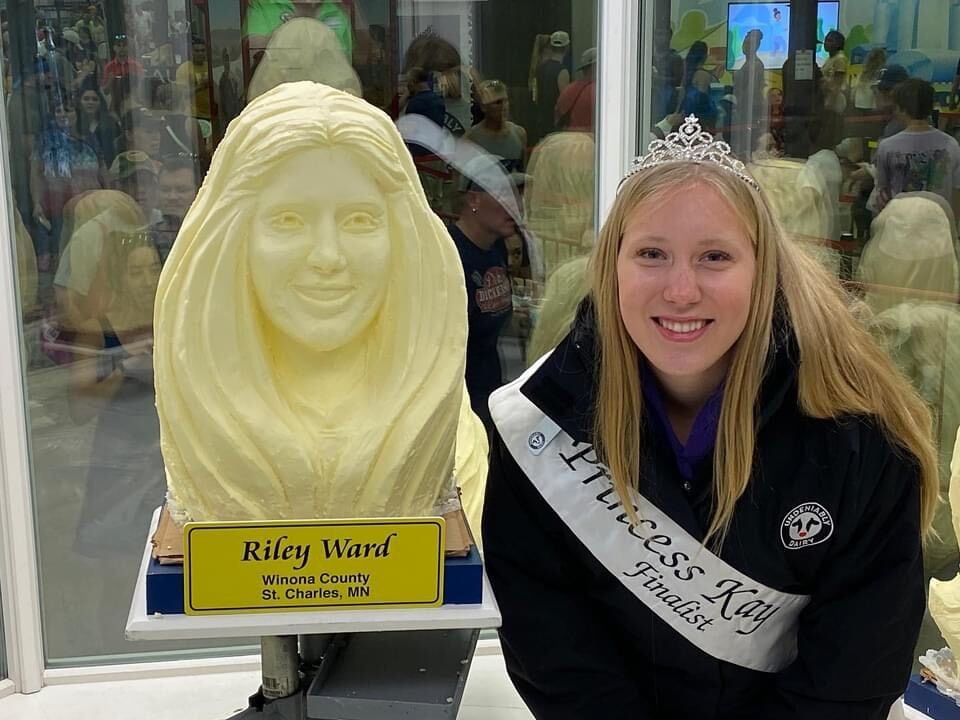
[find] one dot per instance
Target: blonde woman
(311, 335)
(711, 496)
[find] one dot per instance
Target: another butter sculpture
(944, 599)
(304, 49)
(311, 326)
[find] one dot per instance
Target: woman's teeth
(682, 327)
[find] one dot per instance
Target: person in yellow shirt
(194, 77)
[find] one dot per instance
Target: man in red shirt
(576, 104)
(122, 64)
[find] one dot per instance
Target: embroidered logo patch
(537, 441)
(807, 524)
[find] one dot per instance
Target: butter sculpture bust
(311, 326)
(944, 595)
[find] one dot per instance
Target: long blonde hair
(222, 413)
(842, 369)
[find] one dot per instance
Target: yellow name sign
(247, 567)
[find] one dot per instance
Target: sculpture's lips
(326, 293)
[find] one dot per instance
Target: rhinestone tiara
(694, 144)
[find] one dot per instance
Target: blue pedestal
(462, 584)
(927, 699)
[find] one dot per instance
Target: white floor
(489, 696)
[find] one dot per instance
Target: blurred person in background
(454, 82)
(143, 130)
(95, 124)
(888, 79)
(111, 382)
(91, 25)
(27, 110)
(576, 106)
(496, 133)
(80, 285)
(749, 114)
(265, 17)
(480, 234)
(62, 167)
(87, 71)
(193, 76)
(422, 98)
(864, 97)
(835, 86)
(695, 98)
(179, 183)
(553, 76)
(667, 72)
(122, 65)
(920, 157)
(136, 174)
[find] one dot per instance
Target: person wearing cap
(136, 175)
(122, 65)
(576, 105)
(890, 77)
(553, 76)
(480, 236)
(496, 133)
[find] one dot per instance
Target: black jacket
(579, 643)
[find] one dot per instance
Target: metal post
(312, 648)
(280, 666)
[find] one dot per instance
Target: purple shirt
(703, 434)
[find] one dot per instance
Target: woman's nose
(682, 287)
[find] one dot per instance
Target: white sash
(722, 611)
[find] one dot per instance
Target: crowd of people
(116, 123)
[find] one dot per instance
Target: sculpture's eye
(287, 221)
(360, 221)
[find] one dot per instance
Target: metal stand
(341, 664)
(365, 676)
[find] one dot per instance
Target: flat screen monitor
(773, 20)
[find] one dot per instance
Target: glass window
(115, 110)
(3, 644)
(846, 114)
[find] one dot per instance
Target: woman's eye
(287, 221)
(649, 254)
(360, 222)
(716, 256)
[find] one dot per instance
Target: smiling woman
(717, 470)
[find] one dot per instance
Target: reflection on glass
(3, 644)
(304, 49)
(115, 111)
(847, 119)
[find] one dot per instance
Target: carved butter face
(319, 248)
